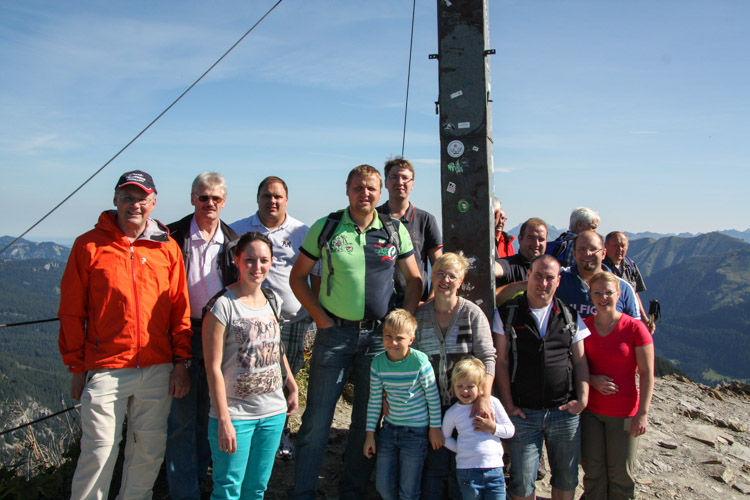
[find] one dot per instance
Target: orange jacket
(123, 305)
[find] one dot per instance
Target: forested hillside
(705, 327)
(33, 380)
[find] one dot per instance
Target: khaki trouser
(144, 394)
(608, 454)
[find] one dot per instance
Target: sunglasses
(203, 198)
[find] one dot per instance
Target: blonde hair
(469, 368)
(364, 171)
(607, 277)
(451, 259)
(401, 321)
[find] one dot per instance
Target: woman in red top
(617, 412)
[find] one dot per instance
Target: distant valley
(702, 283)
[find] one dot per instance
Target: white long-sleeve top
(476, 449)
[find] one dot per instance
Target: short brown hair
(364, 171)
(398, 162)
(615, 234)
(534, 221)
(270, 180)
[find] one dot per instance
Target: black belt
(363, 324)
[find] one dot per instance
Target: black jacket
(180, 231)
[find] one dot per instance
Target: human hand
(292, 396)
(514, 410)
(386, 407)
(369, 448)
(638, 425)
(179, 381)
(324, 321)
(574, 407)
(77, 384)
(483, 424)
(227, 436)
(603, 384)
(436, 438)
(483, 407)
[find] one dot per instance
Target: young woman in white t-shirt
(241, 346)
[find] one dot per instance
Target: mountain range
(553, 232)
(702, 283)
(24, 249)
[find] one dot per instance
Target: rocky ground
(696, 447)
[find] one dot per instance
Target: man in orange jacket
(125, 337)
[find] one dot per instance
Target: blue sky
(637, 109)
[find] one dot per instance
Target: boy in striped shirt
(413, 410)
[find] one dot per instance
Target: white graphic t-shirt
(250, 364)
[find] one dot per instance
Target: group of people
(195, 330)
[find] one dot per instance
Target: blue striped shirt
(411, 391)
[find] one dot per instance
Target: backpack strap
(570, 325)
(274, 304)
(324, 240)
(210, 304)
(271, 298)
(389, 224)
(510, 334)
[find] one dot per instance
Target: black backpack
(332, 222)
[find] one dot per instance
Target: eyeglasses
(587, 251)
(396, 178)
(203, 198)
(132, 200)
(447, 277)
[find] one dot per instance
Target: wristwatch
(185, 362)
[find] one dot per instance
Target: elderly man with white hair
(581, 219)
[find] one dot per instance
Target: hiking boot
(286, 447)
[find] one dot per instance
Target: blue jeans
(245, 473)
(188, 454)
(439, 470)
(481, 484)
(336, 349)
(561, 432)
(400, 457)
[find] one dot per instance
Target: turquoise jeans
(245, 473)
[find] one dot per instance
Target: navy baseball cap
(137, 178)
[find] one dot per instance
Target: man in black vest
(510, 272)
(542, 378)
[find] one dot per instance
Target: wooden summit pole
(466, 142)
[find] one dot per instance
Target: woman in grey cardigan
(449, 328)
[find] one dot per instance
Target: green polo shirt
(363, 262)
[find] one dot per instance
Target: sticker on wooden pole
(455, 149)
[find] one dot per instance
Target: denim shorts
(487, 484)
(560, 431)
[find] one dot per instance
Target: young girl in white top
(479, 453)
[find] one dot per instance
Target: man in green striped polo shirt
(357, 285)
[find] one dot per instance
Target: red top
(614, 356)
(505, 245)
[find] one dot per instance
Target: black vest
(543, 372)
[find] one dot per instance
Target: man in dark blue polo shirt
(356, 288)
(422, 226)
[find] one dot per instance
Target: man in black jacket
(542, 378)
(207, 246)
